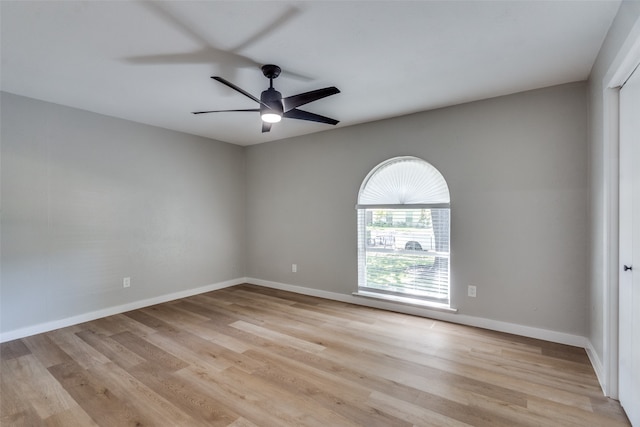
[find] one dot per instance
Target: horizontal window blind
(401, 252)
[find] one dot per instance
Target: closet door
(629, 315)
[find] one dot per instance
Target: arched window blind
(403, 231)
(404, 181)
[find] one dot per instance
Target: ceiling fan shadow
(228, 60)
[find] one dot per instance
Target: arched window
(403, 232)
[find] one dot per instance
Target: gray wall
(517, 171)
(88, 199)
(603, 178)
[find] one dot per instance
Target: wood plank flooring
(251, 356)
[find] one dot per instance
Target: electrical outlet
(471, 291)
(294, 268)
(126, 282)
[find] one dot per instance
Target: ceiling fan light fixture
(271, 117)
(271, 109)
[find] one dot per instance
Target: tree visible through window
(403, 229)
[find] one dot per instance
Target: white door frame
(619, 71)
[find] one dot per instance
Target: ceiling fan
(273, 107)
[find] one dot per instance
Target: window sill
(406, 300)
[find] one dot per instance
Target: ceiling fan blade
(224, 111)
(312, 117)
(236, 88)
(266, 127)
(294, 101)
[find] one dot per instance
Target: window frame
(362, 208)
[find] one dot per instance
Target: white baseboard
(512, 328)
(527, 331)
(110, 311)
(495, 325)
(597, 365)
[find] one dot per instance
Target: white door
(629, 327)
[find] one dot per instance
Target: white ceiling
(150, 62)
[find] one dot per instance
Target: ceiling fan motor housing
(273, 99)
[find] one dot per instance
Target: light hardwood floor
(251, 356)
